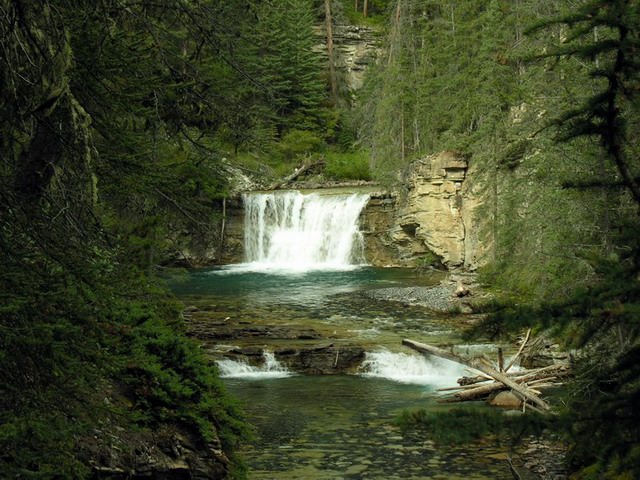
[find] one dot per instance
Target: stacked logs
(527, 385)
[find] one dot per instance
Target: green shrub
(464, 425)
(298, 142)
(347, 166)
(172, 382)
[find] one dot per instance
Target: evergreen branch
(587, 184)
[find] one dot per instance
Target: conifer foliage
(111, 118)
(606, 406)
(554, 150)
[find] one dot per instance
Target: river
(338, 426)
(305, 286)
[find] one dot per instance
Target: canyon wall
(436, 219)
(355, 46)
(432, 221)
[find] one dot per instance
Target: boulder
(322, 359)
(504, 399)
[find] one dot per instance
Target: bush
(171, 382)
(347, 166)
(464, 425)
(298, 142)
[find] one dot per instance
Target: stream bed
(334, 426)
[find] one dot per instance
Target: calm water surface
(333, 427)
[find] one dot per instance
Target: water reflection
(302, 289)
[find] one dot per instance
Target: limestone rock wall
(435, 219)
(233, 250)
(356, 47)
(477, 244)
(376, 220)
(429, 218)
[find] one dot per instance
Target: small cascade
(301, 232)
(271, 368)
(409, 368)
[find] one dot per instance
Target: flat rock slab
(208, 330)
(321, 359)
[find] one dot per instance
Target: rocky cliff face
(375, 222)
(433, 220)
(430, 224)
(356, 47)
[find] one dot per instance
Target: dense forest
(543, 97)
(125, 121)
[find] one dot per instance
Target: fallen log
(513, 360)
(481, 364)
(485, 378)
(534, 374)
(299, 172)
(468, 393)
(438, 352)
(476, 393)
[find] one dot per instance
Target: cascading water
(271, 368)
(293, 231)
(415, 369)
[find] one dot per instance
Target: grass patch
(347, 166)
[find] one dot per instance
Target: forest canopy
(125, 122)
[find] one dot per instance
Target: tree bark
(222, 229)
(38, 160)
(481, 365)
(475, 393)
(332, 67)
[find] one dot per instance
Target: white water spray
(292, 231)
(414, 369)
(271, 368)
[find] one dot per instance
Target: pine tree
(107, 122)
(287, 66)
(605, 33)
(602, 318)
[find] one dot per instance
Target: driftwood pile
(527, 385)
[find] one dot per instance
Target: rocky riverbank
(455, 294)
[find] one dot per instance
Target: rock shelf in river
(438, 298)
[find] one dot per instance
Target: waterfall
(293, 231)
(409, 368)
(271, 368)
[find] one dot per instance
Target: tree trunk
(38, 160)
(365, 8)
(222, 229)
(332, 67)
(296, 174)
(480, 365)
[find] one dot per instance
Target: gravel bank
(440, 298)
